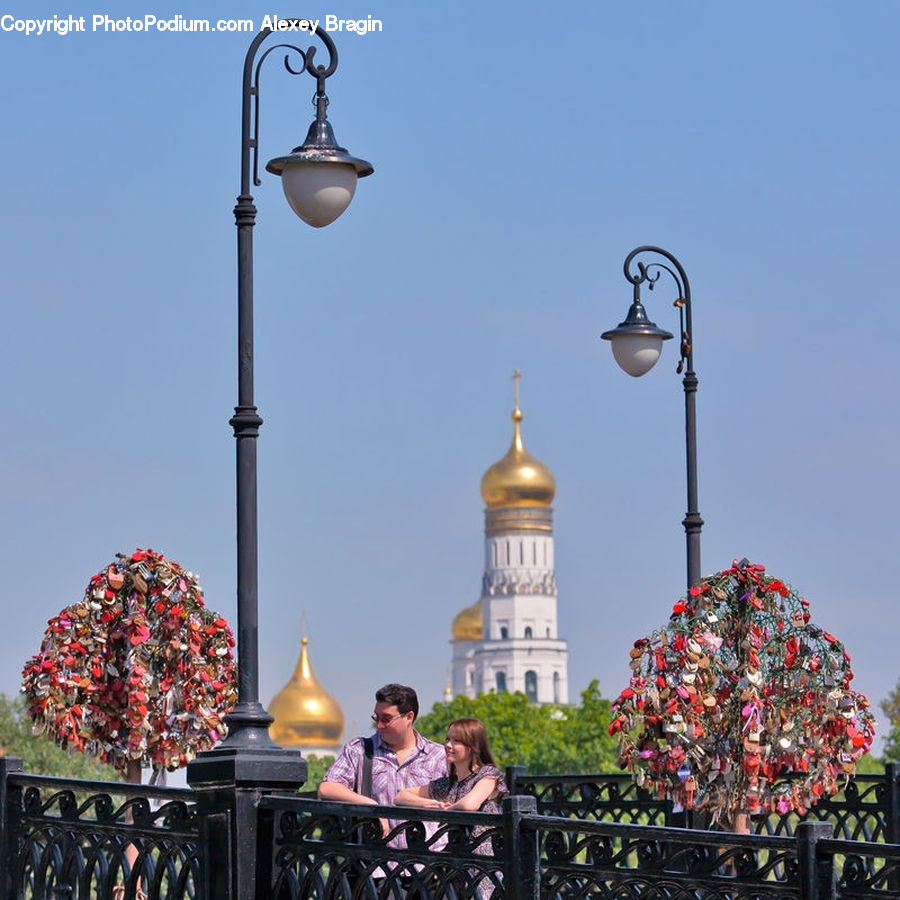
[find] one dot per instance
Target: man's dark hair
(399, 695)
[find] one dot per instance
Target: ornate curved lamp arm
(649, 273)
(250, 94)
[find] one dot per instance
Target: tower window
(504, 632)
(528, 633)
(501, 682)
(556, 687)
(531, 685)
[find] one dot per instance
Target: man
(401, 758)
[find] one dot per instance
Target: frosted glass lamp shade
(636, 342)
(636, 354)
(318, 191)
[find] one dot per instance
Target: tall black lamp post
(636, 345)
(319, 179)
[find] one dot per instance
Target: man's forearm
(333, 790)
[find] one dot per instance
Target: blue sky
(520, 153)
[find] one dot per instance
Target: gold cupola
(305, 714)
(467, 626)
(518, 489)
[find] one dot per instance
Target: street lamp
(636, 345)
(319, 178)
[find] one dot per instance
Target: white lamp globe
(318, 191)
(636, 354)
(636, 342)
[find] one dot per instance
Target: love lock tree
(738, 690)
(138, 673)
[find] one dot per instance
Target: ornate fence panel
(100, 840)
(863, 811)
(331, 850)
(601, 798)
(588, 859)
(867, 809)
(864, 870)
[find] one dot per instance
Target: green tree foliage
(550, 739)
(870, 765)
(891, 708)
(40, 755)
(316, 767)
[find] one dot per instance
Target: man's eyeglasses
(385, 720)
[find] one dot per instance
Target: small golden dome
(518, 479)
(305, 713)
(467, 625)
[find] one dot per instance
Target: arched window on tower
(501, 682)
(531, 685)
(528, 632)
(556, 687)
(504, 632)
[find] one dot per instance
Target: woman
(474, 783)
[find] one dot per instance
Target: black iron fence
(61, 838)
(867, 809)
(558, 837)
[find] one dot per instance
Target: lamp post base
(266, 768)
(248, 756)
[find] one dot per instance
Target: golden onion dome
(305, 713)
(518, 479)
(467, 626)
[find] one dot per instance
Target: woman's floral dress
(444, 789)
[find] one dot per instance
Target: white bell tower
(517, 647)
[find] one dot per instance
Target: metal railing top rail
(841, 846)
(522, 776)
(656, 833)
(535, 822)
(57, 782)
(617, 777)
(320, 808)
